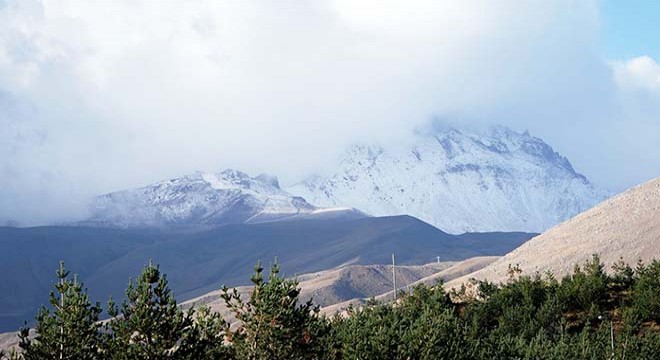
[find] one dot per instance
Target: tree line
(588, 314)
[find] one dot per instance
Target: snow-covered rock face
(226, 197)
(459, 181)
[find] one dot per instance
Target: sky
(630, 28)
(97, 96)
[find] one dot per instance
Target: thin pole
(62, 310)
(612, 337)
(394, 275)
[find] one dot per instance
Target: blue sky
(631, 28)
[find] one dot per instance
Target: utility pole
(394, 275)
(62, 291)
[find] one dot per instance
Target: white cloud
(640, 73)
(106, 95)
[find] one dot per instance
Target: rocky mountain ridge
(459, 181)
(225, 197)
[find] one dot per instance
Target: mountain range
(464, 180)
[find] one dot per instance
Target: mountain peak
(269, 179)
(228, 196)
(459, 180)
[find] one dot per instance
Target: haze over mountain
(93, 100)
(626, 226)
(459, 180)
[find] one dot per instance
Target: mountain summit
(459, 181)
(226, 197)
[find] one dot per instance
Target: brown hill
(625, 226)
(334, 286)
(448, 274)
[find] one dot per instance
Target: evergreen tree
(273, 325)
(149, 324)
(206, 338)
(586, 289)
(646, 292)
(587, 315)
(623, 276)
(70, 329)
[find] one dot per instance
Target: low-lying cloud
(98, 96)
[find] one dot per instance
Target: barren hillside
(333, 286)
(626, 226)
(448, 274)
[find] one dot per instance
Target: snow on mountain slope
(226, 197)
(459, 181)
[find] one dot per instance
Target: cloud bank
(99, 96)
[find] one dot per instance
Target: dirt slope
(333, 286)
(448, 274)
(627, 226)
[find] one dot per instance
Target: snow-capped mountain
(226, 197)
(459, 181)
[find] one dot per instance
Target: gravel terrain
(625, 226)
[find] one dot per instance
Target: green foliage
(523, 308)
(150, 325)
(70, 329)
(585, 291)
(646, 292)
(422, 325)
(526, 318)
(273, 323)
(205, 339)
(586, 315)
(623, 276)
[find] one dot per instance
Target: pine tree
(646, 292)
(206, 338)
(70, 330)
(149, 324)
(273, 324)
